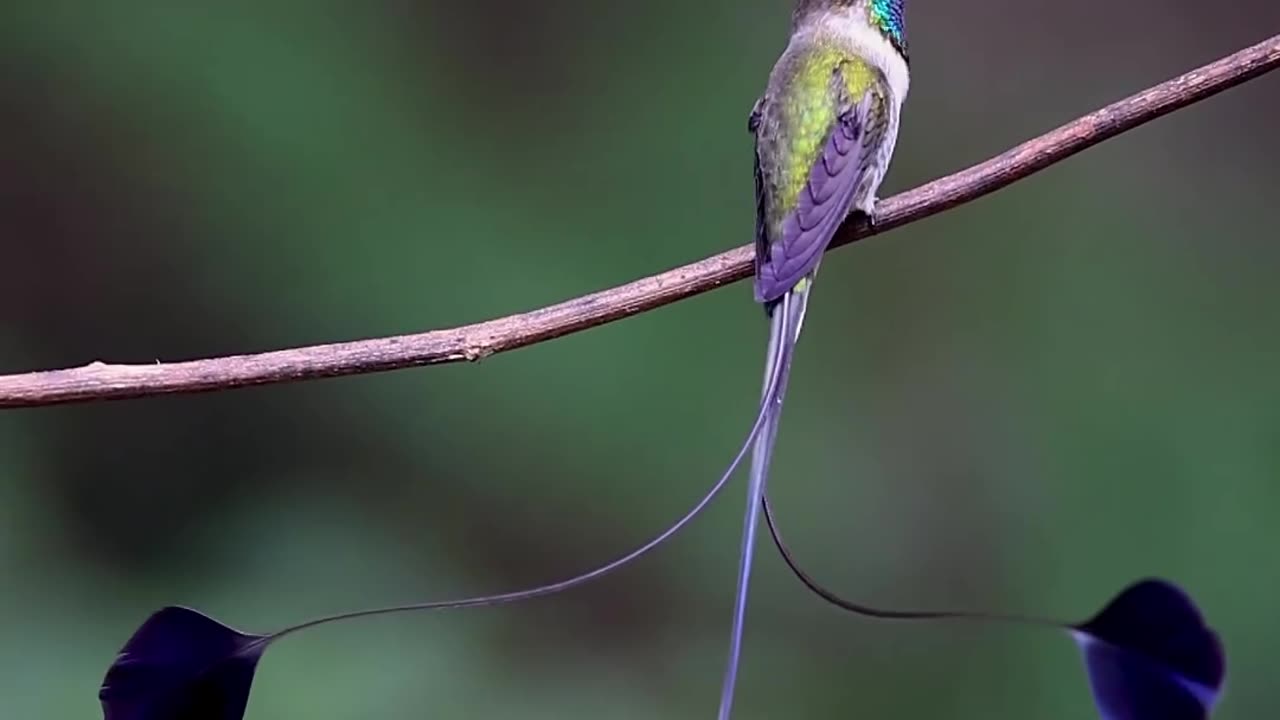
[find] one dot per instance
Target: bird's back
(823, 77)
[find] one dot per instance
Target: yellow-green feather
(807, 109)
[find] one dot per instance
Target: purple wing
(824, 202)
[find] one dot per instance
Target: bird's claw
(868, 212)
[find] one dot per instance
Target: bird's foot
(868, 212)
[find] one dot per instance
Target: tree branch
(99, 381)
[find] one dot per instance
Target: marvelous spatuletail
(181, 664)
(1148, 653)
(825, 130)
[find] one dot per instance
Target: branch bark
(100, 381)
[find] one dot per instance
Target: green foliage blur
(1021, 405)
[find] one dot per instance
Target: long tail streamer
(1148, 654)
(785, 321)
(775, 377)
(181, 663)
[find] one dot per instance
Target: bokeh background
(1020, 405)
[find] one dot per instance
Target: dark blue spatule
(1149, 654)
(183, 665)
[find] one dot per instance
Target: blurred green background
(1021, 405)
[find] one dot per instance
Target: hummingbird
(825, 130)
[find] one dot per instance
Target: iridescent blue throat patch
(887, 14)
